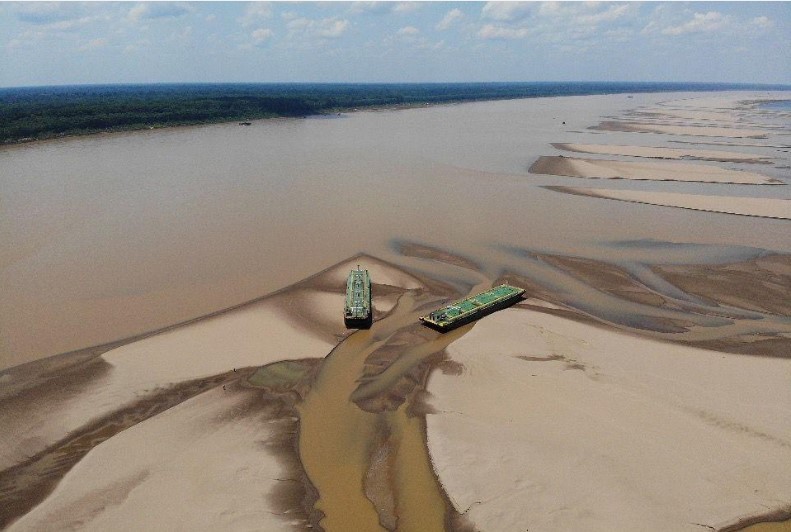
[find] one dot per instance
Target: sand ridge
(655, 152)
(740, 205)
(652, 171)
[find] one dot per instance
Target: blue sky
(44, 43)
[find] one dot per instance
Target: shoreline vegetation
(39, 113)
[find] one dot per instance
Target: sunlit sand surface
(655, 171)
(662, 153)
(745, 206)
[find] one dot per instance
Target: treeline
(46, 112)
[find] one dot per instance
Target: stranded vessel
(472, 308)
(357, 310)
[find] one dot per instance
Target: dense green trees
(45, 112)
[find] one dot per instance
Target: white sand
(655, 171)
(662, 153)
(201, 465)
(649, 436)
(746, 206)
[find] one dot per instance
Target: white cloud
(491, 32)
(450, 18)
(255, 13)
(262, 35)
(507, 11)
(584, 13)
(762, 22)
(608, 15)
(93, 44)
(700, 23)
(406, 7)
(332, 28)
(408, 30)
(383, 7)
(70, 25)
(328, 28)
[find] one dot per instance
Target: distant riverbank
(39, 113)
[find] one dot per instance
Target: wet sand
(641, 384)
(694, 131)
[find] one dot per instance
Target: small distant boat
(245, 123)
(357, 310)
(472, 308)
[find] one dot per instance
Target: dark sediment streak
(25, 485)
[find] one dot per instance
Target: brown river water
(109, 236)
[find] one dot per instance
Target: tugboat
(357, 310)
(472, 308)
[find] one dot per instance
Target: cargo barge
(357, 313)
(472, 308)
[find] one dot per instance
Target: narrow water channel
(338, 439)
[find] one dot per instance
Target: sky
(59, 43)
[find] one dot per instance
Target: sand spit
(695, 131)
(596, 430)
(25, 485)
(740, 205)
(210, 463)
(653, 171)
(740, 144)
(653, 152)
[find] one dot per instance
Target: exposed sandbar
(743, 206)
(695, 131)
(652, 171)
(587, 428)
(209, 463)
(759, 284)
(652, 152)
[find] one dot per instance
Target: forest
(36, 113)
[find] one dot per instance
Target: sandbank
(589, 429)
(301, 322)
(741, 205)
(654, 171)
(695, 131)
(653, 152)
(197, 466)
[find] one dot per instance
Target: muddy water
(108, 236)
(338, 439)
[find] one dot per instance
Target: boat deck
(357, 310)
(473, 307)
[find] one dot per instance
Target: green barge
(357, 312)
(473, 307)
